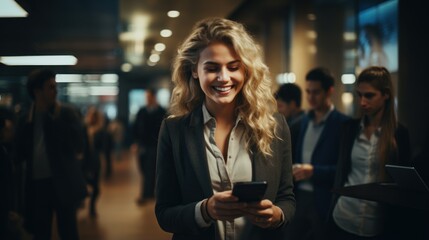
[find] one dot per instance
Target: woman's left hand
(263, 214)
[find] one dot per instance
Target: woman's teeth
(222, 89)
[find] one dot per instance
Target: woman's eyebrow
(216, 63)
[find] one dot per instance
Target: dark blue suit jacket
(324, 158)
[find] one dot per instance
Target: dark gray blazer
(183, 177)
(64, 142)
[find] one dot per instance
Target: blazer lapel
(194, 138)
(259, 166)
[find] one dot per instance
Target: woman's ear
(194, 74)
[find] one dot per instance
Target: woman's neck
(224, 115)
(374, 120)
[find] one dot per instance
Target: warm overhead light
(159, 47)
(10, 8)
(349, 36)
(39, 60)
(347, 98)
(312, 34)
(154, 58)
(173, 13)
(126, 67)
(166, 33)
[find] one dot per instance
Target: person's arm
(279, 210)
(285, 199)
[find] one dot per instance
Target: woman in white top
(367, 144)
(223, 130)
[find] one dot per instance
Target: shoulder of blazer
(339, 116)
(188, 120)
(401, 130)
(350, 125)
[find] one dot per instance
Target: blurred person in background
(289, 96)
(367, 145)
(146, 129)
(317, 155)
(49, 141)
(116, 131)
(7, 184)
(95, 136)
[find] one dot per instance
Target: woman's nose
(223, 75)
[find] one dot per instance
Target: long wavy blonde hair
(255, 103)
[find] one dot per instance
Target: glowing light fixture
(160, 47)
(286, 78)
(109, 78)
(166, 33)
(154, 58)
(348, 78)
(10, 8)
(42, 60)
(173, 13)
(126, 67)
(68, 78)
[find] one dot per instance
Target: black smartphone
(249, 191)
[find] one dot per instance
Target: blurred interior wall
(413, 85)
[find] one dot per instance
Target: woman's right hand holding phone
(224, 206)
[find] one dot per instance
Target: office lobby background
(113, 69)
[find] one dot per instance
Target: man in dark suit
(146, 129)
(316, 156)
(50, 140)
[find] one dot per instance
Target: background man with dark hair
(316, 156)
(49, 139)
(146, 129)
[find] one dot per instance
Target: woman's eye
(211, 69)
(368, 95)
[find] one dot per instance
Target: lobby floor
(119, 217)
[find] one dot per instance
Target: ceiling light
(159, 47)
(68, 78)
(166, 33)
(151, 64)
(126, 67)
(348, 78)
(349, 36)
(154, 58)
(103, 90)
(53, 60)
(173, 13)
(109, 78)
(11, 9)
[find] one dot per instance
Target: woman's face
(371, 100)
(220, 73)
